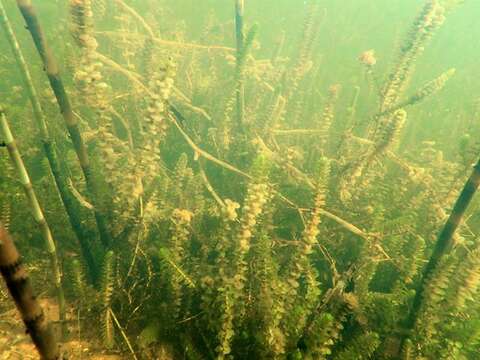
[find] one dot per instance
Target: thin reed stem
(37, 212)
(137, 16)
(240, 39)
(137, 79)
(49, 146)
(169, 43)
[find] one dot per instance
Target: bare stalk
(122, 332)
(137, 16)
(20, 288)
(170, 43)
(51, 67)
(49, 145)
(137, 79)
(36, 210)
(240, 38)
(445, 240)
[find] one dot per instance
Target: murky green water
(248, 179)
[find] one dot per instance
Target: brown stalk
(51, 67)
(445, 241)
(21, 290)
(170, 43)
(49, 147)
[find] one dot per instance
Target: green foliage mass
(301, 234)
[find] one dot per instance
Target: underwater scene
(239, 179)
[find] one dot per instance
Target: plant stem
(123, 334)
(49, 146)
(37, 212)
(445, 241)
(137, 16)
(199, 152)
(137, 79)
(240, 35)
(52, 70)
(21, 290)
(170, 43)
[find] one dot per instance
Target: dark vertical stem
(445, 240)
(240, 38)
(51, 68)
(72, 211)
(21, 290)
(239, 27)
(49, 147)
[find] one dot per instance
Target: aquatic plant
(52, 71)
(20, 287)
(49, 147)
(35, 209)
(106, 299)
(244, 207)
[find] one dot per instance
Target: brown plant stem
(51, 67)
(49, 147)
(20, 288)
(445, 241)
(122, 332)
(209, 186)
(175, 44)
(137, 16)
(137, 79)
(200, 152)
(36, 210)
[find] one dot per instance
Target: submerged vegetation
(216, 199)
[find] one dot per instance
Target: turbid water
(245, 179)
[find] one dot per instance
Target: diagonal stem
(51, 67)
(49, 147)
(37, 212)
